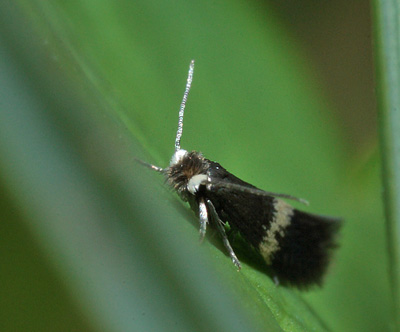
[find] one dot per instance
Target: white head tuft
(177, 157)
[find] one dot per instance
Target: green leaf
(87, 87)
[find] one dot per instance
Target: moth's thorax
(184, 167)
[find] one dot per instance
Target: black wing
(248, 213)
(295, 244)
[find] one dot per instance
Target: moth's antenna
(182, 108)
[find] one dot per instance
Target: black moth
(296, 245)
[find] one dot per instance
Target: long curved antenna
(182, 108)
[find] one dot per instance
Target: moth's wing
(296, 244)
(246, 212)
(305, 248)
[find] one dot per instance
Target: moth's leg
(203, 215)
(153, 167)
(221, 230)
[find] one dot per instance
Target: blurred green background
(283, 97)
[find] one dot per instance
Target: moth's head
(186, 172)
(177, 157)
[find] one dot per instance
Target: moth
(295, 245)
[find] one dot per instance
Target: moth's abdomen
(303, 249)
